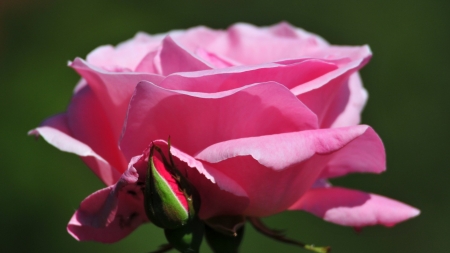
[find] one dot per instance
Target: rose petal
(354, 208)
(290, 163)
(351, 115)
(249, 44)
(79, 86)
(112, 89)
(196, 37)
(174, 58)
(86, 118)
(214, 60)
(126, 55)
(216, 190)
(284, 29)
(112, 213)
(56, 132)
(148, 63)
(202, 119)
(289, 74)
(221, 44)
(329, 95)
(363, 155)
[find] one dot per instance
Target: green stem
(277, 235)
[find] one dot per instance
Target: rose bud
(168, 196)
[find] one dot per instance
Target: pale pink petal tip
(354, 208)
(33, 132)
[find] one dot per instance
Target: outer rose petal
(363, 155)
(86, 119)
(290, 163)
(202, 119)
(330, 94)
(351, 115)
(56, 132)
(112, 213)
(354, 208)
(113, 90)
(126, 55)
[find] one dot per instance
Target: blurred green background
(408, 82)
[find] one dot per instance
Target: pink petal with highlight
(354, 208)
(288, 74)
(56, 132)
(363, 155)
(112, 89)
(260, 109)
(86, 118)
(126, 55)
(285, 162)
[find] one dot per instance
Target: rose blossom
(259, 119)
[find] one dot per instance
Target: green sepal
(224, 243)
(187, 238)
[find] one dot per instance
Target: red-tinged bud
(169, 197)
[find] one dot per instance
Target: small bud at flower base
(168, 198)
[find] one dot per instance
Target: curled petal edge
(354, 208)
(55, 131)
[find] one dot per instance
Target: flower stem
(279, 236)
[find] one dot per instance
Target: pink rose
(259, 119)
